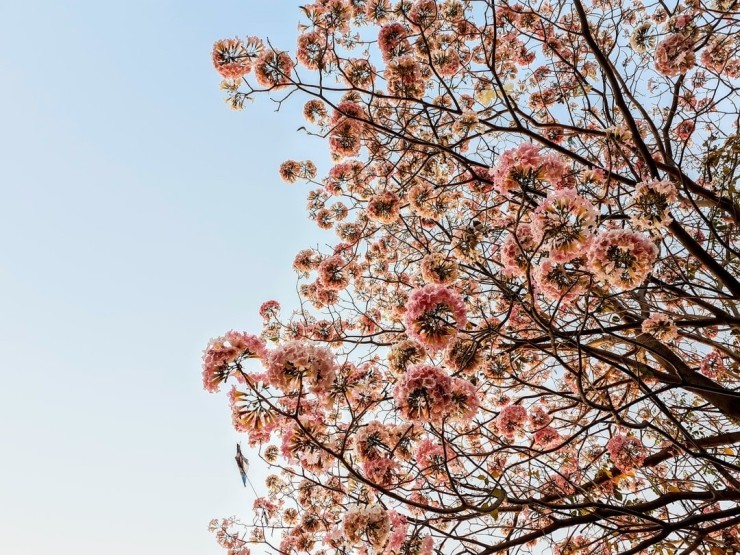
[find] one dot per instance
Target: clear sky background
(140, 217)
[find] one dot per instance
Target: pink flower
(510, 421)
(674, 55)
(465, 402)
(305, 261)
(424, 394)
(384, 207)
(404, 78)
(621, 258)
(298, 365)
(249, 416)
(433, 315)
(516, 167)
(626, 452)
(563, 223)
(653, 201)
(230, 58)
(269, 309)
(439, 268)
(333, 273)
(393, 42)
(661, 326)
(272, 69)
(399, 527)
(358, 73)
(369, 524)
(516, 251)
(562, 283)
(685, 129)
(718, 56)
(546, 437)
(225, 354)
(313, 51)
(712, 365)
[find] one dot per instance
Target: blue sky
(140, 217)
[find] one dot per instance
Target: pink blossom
(384, 207)
(510, 421)
(424, 394)
(439, 268)
(563, 283)
(249, 416)
(333, 273)
(433, 315)
(653, 201)
(225, 354)
(685, 129)
(465, 401)
(269, 309)
(546, 437)
(404, 78)
(719, 56)
(272, 69)
(674, 55)
(516, 167)
(712, 365)
(367, 523)
(295, 361)
(661, 326)
(230, 58)
(399, 528)
(516, 250)
(621, 258)
(564, 222)
(392, 41)
(626, 452)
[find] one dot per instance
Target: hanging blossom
(464, 400)
(719, 56)
(269, 309)
(661, 326)
(712, 365)
(433, 315)
(517, 167)
(510, 421)
(439, 268)
(516, 251)
(393, 41)
(674, 55)
(224, 354)
(248, 415)
(334, 273)
(384, 207)
(621, 258)
(404, 77)
(403, 355)
(563, 283)
(653, 201)
(230, 58)
(463, 355)
(295, 361)
(272, 69)
(626, 452)
(563, 223)
(367, 525)
(546, 437)
(424, 394)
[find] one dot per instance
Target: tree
(525, 338)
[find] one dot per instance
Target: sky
(140, 217)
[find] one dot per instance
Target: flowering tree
(525, 338)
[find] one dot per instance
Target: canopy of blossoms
(524, 338)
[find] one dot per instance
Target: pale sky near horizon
(140, 217)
